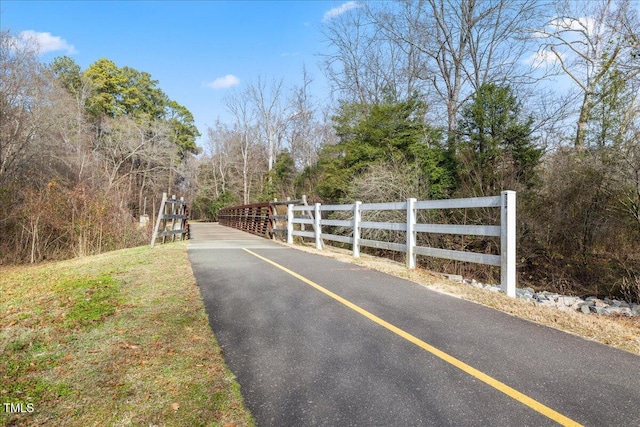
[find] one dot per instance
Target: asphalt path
(318, 342)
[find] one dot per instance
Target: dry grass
(616, 331)
(120, 338)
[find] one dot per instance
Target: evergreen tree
(496, 148)
(387, 132)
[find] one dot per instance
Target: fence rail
(506, 230)
(261, 219)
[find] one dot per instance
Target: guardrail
(506, 230)
(254, 218)
(261, 219)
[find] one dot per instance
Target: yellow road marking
(513, 393)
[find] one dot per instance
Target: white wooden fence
(506, 230)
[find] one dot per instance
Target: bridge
(318, 342)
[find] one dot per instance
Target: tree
(386, 132)
(363, 62)
(109, 83)
(305, 132)
(26, 98)
(443, 48)
(269, 106)
(128, 92)
(496, 146)
(589, 42)
(68, 73)
(182, 127)
(244, 134)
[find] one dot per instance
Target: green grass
(115, 339)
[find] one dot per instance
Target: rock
(568, 301)
(625, 310)
(591, 304)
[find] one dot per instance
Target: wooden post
(173, 220)
(181, 211)
(158, 220)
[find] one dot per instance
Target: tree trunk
(581, 131)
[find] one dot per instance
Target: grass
(621, 332)
(120, 338)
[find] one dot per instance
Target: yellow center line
(511, 392)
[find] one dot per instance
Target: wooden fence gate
(172, 220)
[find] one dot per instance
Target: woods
(82, 154)
(429, 99)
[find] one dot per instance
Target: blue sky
(197, 50)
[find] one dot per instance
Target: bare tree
(238, 104)
(363, 63)
(463, 44)
(27, 106)
(219, 154)
(306, 130)
(272, 112)
(587, 41)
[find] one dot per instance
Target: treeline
(438, 99)
(83, 153)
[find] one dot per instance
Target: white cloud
(45, 42)
(543, 58)
(337, 11)
(586, 24)
(224, 82)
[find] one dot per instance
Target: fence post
(356, 229)
(508, 243)
(290, 223)
(411, 233)
(159, 219)
(316, 226)
(181, 210)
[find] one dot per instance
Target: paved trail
(317, 342)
